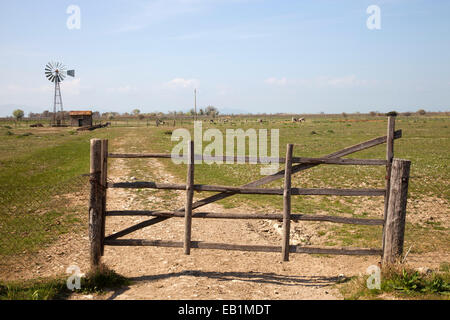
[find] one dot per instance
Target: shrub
(421, 112)
(392, 114)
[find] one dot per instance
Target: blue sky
(245, 55)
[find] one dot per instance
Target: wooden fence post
(389, 158)
(287, 203)
(104, 182)
(95, 204)
(394, 228)
(189, 199)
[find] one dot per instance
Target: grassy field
(36, 166)
(425, 142)
(39, 165)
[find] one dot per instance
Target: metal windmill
(56, 72)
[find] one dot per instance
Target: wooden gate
(394, 193)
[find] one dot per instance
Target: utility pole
(195, 104)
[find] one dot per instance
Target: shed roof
(80, 113)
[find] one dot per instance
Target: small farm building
(80, 118)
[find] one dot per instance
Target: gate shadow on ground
(251, 277)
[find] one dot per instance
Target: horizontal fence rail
(242, 190)
(267, 216)
(253, 160)
(238, 247)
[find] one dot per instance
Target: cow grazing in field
(298, 119)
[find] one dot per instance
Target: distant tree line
(209, 111)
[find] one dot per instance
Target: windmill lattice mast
(57, 72)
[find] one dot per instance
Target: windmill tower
(56, 72)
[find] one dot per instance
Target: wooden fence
(394, 193)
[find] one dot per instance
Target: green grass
(36, 172)
(56, 288)
(401, 282)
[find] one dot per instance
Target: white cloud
(349, 81)
(276, 81)
(122, 90)
(14, 89)
(339, 82)
(183, 83)
(71, 87)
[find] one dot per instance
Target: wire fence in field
(33, 217)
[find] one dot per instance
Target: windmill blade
(51, 78)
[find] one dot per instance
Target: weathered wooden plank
(340, 161)
(255, 216)
(389, 158)
(247, 190)
(258, 248)
(135, 227)
(104, 179)
(147, 185)
(264, 160)
(364, 145)
(139, 155)
(394, 228)
(95, 204)
(287, 204)
(338, 192)
(189, 198)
